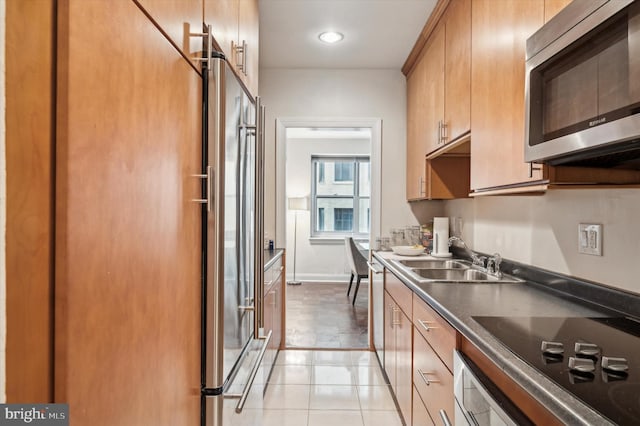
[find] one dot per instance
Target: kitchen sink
(460, 276)
(436, 264)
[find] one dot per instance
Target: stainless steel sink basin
(460, 275)
(436, 264)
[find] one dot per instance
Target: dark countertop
(270, 256)
(458, 303)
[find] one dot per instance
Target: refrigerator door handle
(254, 371)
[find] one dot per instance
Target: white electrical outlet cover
(590, 239)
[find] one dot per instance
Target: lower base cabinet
(398, 354)
(421, 415)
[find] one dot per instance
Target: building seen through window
(340, 195)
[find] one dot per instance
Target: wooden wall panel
(29, 233)
(127, 348)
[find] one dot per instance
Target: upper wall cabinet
(498, 39)
(438, 92)
(235, 26)
(177, 19)
(457, 72)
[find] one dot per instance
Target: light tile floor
(328, 388)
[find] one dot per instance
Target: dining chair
(358, 265)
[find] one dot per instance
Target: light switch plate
(590, 238)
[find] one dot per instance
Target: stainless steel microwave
(583, 86)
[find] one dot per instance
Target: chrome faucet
(493, 265)
(475, 258)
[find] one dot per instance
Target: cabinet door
(248, 36)
(421, 415)
(127, 263)
(390, 339)
(434, 93)
(223, 15)
(172, 16)
(552, 7)
(499, 33)
(404, 373)
(416, 131)
(457, 80)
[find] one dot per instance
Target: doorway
(334, 167)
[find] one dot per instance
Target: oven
(478, 401)
(583, 86)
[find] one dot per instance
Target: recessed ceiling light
(331, 37)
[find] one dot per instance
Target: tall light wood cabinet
(416, 131)
(235, 27)
(127, 250)
(29, 199)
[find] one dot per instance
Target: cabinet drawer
(440, 335)
(420, 413)
(272, 275)
(431, 378)
(400, 292)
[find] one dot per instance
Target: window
(343, 219)
(340, 192)
(321, 218)
(343, 171)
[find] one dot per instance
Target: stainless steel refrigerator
(233, 342)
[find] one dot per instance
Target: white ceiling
(377, 33)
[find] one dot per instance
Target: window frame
(356, 160)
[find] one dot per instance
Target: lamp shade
(298, 203)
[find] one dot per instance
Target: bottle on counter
(426, 232)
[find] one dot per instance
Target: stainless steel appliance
(478, 401)
(376, 308)
(583, 86)
(233, 342)
(594, 359)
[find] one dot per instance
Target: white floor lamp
(296, 204)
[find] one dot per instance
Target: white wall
(341, 93)
(3, 212)
(315, 261)
(543, 231)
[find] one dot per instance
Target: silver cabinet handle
(443, 132)
(426, 326)
(209, 182)
(392, 316)
(241, 49)
(208, 47)
(422, 188)
(426, 379)
(445, 418)
(396, 318)
(439, 138)
(373, 269)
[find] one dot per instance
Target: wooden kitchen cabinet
(235, 27)
(421, 416)
(457, 72)
(438, 95)
(552, 7)
(499, 34)
(127, 235)
(398, 350)
(432, 379)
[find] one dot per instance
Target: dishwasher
(478, 401)
(376, 309)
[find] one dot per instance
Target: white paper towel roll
(440, 236)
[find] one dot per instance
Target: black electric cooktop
(603, 370)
